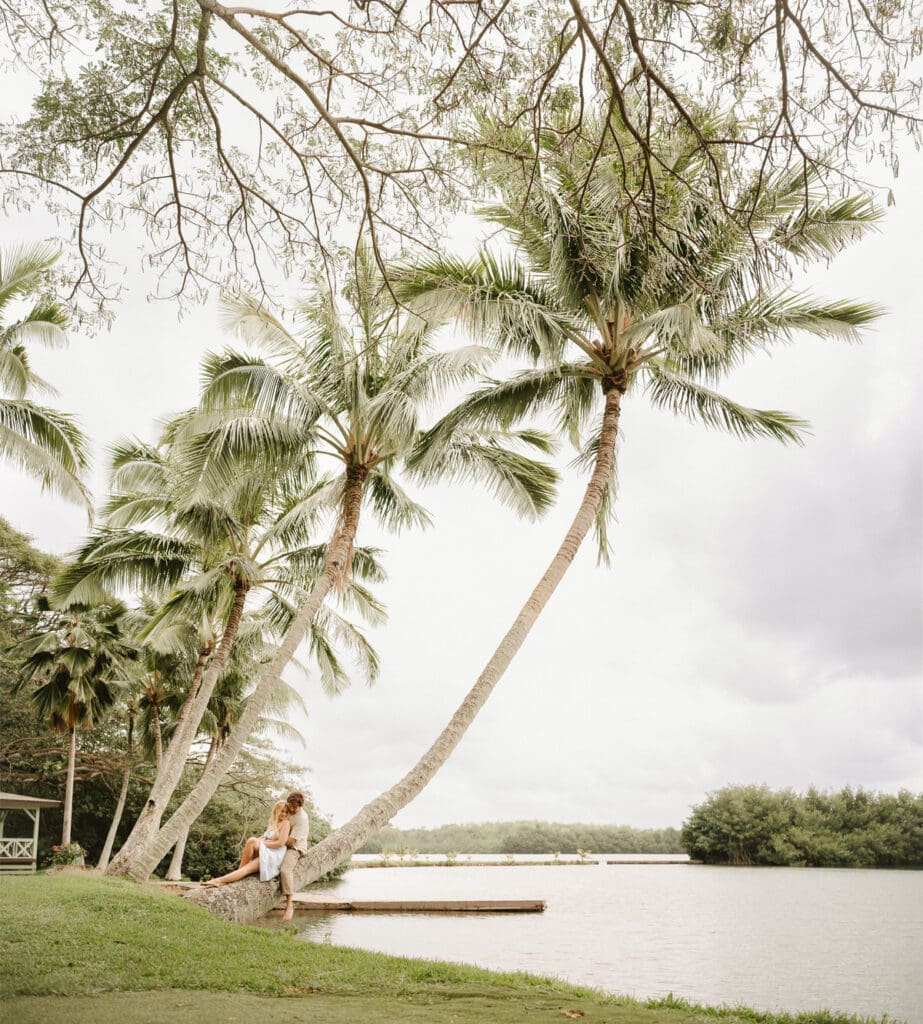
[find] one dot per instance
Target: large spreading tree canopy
(244, 138)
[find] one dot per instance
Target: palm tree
(229, 700)
(351, 389)
(606, 301)
(214, 551)
(131, 712)
(47, 444)
(74, 671)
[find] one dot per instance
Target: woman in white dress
(272, 842)
(264, 853)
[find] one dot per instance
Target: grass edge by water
(61, 933)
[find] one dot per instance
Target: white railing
(17, 849)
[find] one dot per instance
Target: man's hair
(296, 799)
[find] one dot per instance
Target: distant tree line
(853, 828)
(526, 837)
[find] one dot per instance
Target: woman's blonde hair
(279, 813)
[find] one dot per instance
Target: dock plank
(309, 904)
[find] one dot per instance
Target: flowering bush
(70, 853)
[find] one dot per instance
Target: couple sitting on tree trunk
(276, 851)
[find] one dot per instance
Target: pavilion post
(35, 840)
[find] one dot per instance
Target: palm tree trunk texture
(69, 787)
(179, 730)
(143, 860)
(175, 870)
(158, 736)
(168, 778)
(247, 900)
(120, 803)
(116, 821)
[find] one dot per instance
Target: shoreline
(510, 863)
(85, 948)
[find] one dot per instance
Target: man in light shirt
(297, 844)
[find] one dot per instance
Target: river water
(772, 938)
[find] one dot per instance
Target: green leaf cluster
(852, 828)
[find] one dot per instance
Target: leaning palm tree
(351, 388)
(73, 671)
(47, 444)
(131, 711)
(207, 554)
(229, 700)
(606, 301)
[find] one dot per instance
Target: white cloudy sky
(761, 621)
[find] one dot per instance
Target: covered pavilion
(21, 853)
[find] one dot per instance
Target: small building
(21, 853)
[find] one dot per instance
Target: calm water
(773, 938)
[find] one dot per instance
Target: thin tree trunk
(120, 803)
(69, 787)
(247, 900)
(175, 760)
(336, 563)
(175, 870)
(186, 709)
(158, 735)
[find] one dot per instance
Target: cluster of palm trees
(254, 498)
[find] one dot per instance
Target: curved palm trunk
(144, 859)
(120, 803)
(186, 710)
(175, 870)
(158, 735)
(69, 786)
(248, 900)
(174, 761)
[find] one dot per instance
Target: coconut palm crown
(600, 294)
(45, 443)
(73, 671)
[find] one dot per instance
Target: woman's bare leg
(251, 850)
(249, 868)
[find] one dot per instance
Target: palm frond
(115, 559)
(43, 325)
(48, 445)
(678, 394)
(22, 270)
(525, 485)
(496, 300)
(391, 503)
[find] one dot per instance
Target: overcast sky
(761, 621)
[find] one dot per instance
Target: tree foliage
(43, 442)
(246, 136)
(526, 837)
(853, 828)
(33, 756)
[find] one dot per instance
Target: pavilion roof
(17, 801)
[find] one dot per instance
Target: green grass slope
(98, 950)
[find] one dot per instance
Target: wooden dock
(648, 863)
(312, 904)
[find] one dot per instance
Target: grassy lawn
(98, 950)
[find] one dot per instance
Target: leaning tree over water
(606, 309)
(352, 387)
